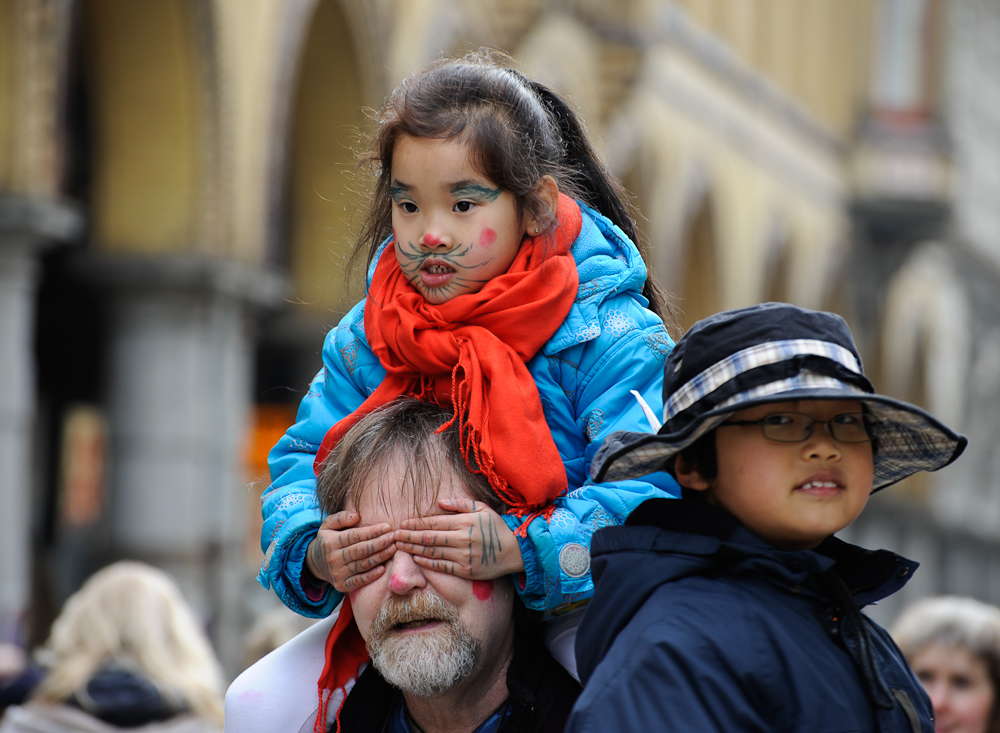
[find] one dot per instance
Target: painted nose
(434, 236)
(404, 574)
(434, 240)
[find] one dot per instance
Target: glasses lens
(851, 428)
(786, 427)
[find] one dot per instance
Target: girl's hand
(348, 557)
(474, 542)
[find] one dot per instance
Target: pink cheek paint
(487, 237)
(482, 589)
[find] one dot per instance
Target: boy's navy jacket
(697, 624)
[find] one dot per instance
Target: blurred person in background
(953, 645)
(271, 630)
(18, 675)
(126, 652)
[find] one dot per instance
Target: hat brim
(907, 439)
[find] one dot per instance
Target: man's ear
(687, 476)
(548, 191)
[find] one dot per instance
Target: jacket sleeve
(289, 506)
(585, 393)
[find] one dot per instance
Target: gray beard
(424, 665)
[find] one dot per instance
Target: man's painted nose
(405, 575)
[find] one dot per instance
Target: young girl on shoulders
(504, 281)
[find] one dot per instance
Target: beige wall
(818, 52)
(150, 122)
(225, 129)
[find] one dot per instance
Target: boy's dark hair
(517, 131)
(700, 456)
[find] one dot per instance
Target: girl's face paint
(482, 589)
(455, 230)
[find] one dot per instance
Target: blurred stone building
(178, 197)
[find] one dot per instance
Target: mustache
(423, 606)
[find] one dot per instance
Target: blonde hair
(952, 621)
(134, 615)
(955, 621)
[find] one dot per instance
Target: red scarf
(469, 352)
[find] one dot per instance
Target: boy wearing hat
(735, 608)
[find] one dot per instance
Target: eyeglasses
(795, 427)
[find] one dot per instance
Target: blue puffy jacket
(608, 345)
(697, 624)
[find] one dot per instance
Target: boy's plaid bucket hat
(774, 352)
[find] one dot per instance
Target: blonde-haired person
(953, 645)
(125, 653)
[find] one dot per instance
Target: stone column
(179, 394)
(27, 226)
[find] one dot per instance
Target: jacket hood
(671, 539)
(123, 698)
(608, 264)
(38, 718)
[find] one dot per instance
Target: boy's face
(794, 495)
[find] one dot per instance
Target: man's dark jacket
(699, 625)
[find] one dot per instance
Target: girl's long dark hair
(517, 132)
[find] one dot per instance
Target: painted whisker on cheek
(484, 263)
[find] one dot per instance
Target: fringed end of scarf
(470, 438)
(471, 443)
(324, 708)
(528, 515)
(345, 654)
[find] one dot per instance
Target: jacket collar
(710, 535)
